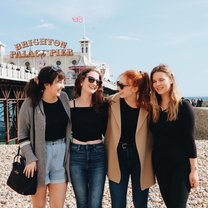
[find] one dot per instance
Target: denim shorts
(55, 153)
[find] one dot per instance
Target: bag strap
(33, 129)
(18, 152)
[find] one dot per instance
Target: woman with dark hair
(88, 157)
(46, 112)
(172, 126)
(128, 140)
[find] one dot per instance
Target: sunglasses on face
(92, 80)
(121, 85)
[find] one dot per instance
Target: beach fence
(201, 123)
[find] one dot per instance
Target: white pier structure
(17, 73)
(23, 64)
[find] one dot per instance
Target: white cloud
(45, 26)
(127, 38)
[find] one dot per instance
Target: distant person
(193, 102)
(174, 153)
(128, 140)
(52, 131)
(199, 103)
(88, 156)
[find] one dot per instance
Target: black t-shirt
(87, 124)
(174, 140)
(56, 120)
(129, 118)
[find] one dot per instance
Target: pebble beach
(198, 197)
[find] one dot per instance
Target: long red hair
(141, 80)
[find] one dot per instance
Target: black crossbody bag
(17, 179)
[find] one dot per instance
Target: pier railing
(21, 73)
(18, 73)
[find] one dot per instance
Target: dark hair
(97, 97)
(35, 87)
(141, 80)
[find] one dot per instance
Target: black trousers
(174, 183)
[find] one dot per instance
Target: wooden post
(7, 120)
(17, 116)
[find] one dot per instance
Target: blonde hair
(155, 98)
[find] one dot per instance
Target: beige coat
(143, 143)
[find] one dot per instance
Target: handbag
(17, 179)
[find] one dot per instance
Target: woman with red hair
(128, 140)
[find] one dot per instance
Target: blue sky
(131, 34)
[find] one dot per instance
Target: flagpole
(80, 19)
(84, 26)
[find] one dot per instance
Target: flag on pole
(77, 19)
(80, 19)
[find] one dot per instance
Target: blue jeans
(129, 165)
(88, 173)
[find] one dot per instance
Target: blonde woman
(174, 154)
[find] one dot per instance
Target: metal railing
(18, 73)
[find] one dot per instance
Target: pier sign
(21, 53)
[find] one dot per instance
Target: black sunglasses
(92, 80)
(121, 85)
(54, 68)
